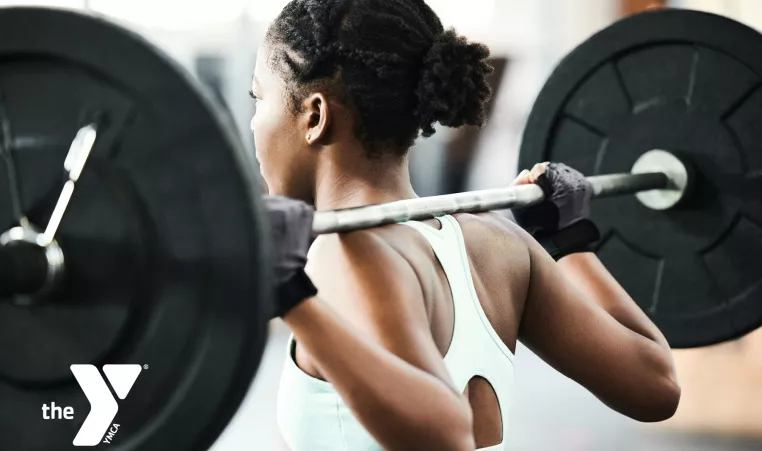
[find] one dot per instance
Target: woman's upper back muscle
(499, 264)
(343, 267)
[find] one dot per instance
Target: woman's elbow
(669, 400)
(458, 435)
(461, 437)
(462, 442)
(467, 443)
(445, 440)
(661, 387)
(650, 391)
(662, 402)
(449, 430)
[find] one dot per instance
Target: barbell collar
(23, 269)
(29, 269)
(680, 177)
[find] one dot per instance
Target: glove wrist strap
(293, 292)
(572, 239)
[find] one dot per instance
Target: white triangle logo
(122, 377)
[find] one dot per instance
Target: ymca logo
(103, 406)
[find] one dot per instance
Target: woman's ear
(317, 117)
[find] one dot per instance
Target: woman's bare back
(499, 262)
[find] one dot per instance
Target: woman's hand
(559, 223)
(290, 226)
(567, 198)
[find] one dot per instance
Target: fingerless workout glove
(560, 223)
(290, 224)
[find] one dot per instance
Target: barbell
(149, 251)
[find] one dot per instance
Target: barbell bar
(672, 183)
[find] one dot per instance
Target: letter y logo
(103, 406)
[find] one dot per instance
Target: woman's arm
(402, 406)
(584, 269)
(612, 356)
(581, 321)
(586, 272)
(374, 345)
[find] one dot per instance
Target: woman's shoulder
(362, 256)
(395, 248)
(367, 279)
(492, 222)
(350, 245)
(493, 232)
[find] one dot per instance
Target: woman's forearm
(401, 406)
(588, 274)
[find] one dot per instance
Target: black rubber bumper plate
(161, 239)
(688, 82)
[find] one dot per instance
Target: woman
(410, 342)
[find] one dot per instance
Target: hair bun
(453, 89)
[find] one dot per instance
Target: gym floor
(550, 413)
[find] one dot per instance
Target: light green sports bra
(313, 417)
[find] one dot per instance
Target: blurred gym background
(721, 408)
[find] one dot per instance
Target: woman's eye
(253, 96)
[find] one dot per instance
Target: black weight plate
(688, 82)
(164, 266)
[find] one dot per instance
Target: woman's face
(285, 158)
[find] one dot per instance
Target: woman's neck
(361, 182)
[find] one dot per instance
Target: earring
(309, 136)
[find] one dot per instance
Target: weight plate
(161, 240)
(688, 82)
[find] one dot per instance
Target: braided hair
(391, 61)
